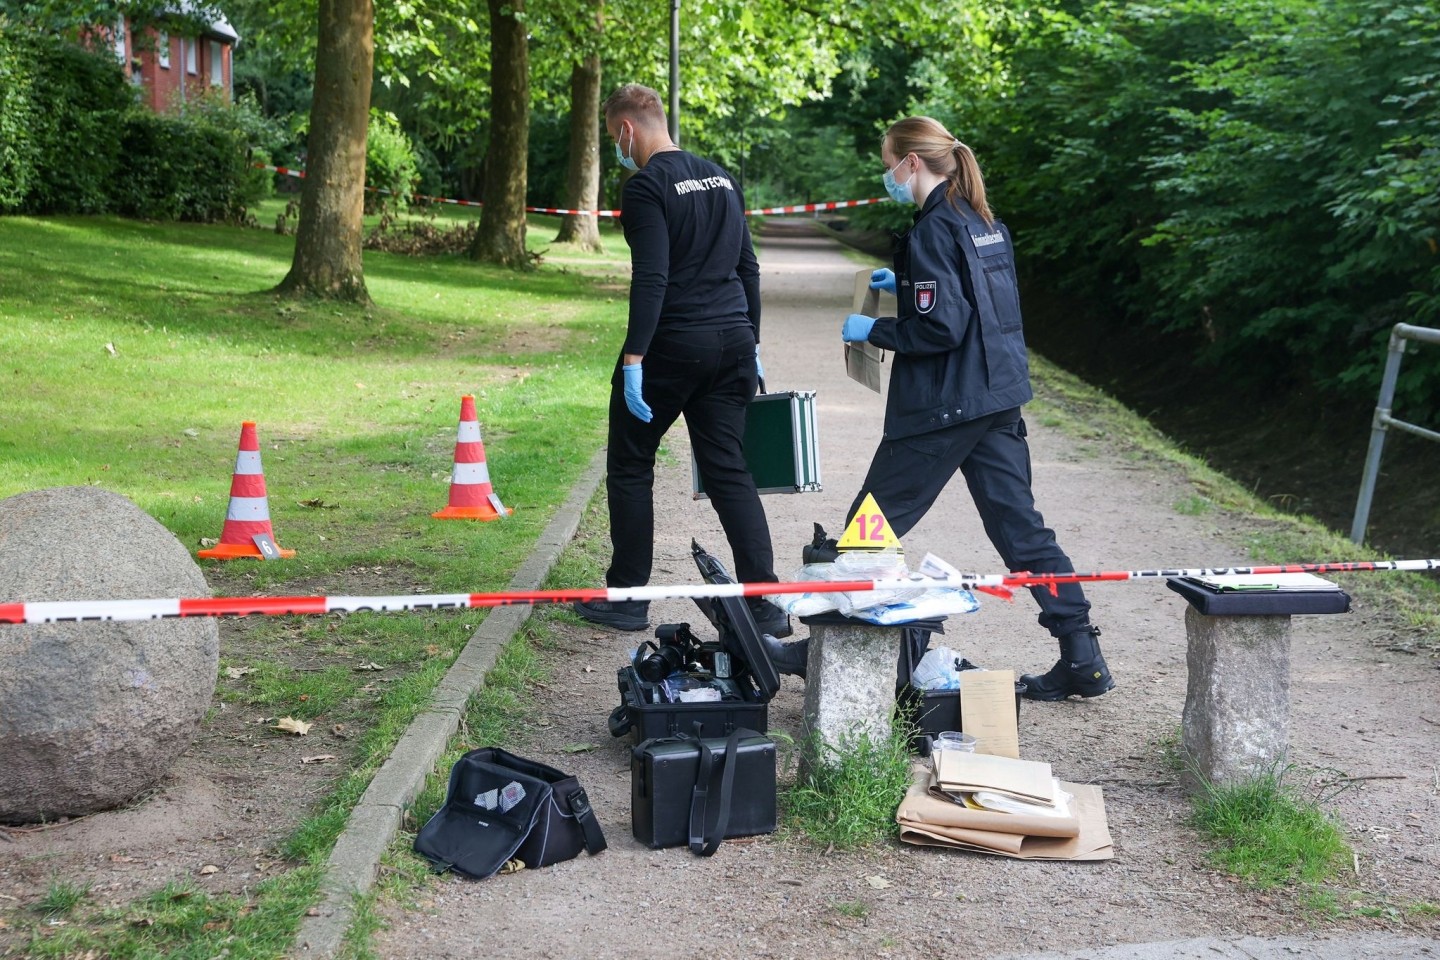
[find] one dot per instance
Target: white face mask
(627, 162)
(899, 192)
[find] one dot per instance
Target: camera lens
(656, 666)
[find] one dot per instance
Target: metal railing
(1383, 421)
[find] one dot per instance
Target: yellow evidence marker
(868, 530)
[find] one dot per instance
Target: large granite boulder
(94, 713)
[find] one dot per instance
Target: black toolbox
(663, 790)
(736, 664)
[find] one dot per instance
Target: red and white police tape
(813, 207)
(561, 211)
(997, 584)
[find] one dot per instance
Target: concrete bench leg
(849, 686)
(1237, 706)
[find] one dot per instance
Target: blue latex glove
(857, 327)
(634, 374)
(759, 370)
(883, 279)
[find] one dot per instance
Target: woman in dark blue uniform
(958, 380)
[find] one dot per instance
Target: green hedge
(65, 104)
(17, 121)
(174, 168)
(73, 140)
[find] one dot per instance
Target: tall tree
(327, 243)
(501, 235)
(582, 180)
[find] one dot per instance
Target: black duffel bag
(500, 807)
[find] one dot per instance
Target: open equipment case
(736, 664)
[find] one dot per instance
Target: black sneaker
(769, 618)
(622, 615)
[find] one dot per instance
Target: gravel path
(1359, 711)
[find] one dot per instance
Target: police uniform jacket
(958, 343)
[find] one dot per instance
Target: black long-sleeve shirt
(692, 263)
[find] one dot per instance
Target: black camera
(677, 650)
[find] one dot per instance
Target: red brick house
(170, 67)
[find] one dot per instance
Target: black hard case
(927, 712)
(716, 718)
(755, 677)
(662, 781)
(932, 712)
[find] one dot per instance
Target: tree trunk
(501, 234)
(327, 243)
(582, 181)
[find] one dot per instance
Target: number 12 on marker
(870, 526)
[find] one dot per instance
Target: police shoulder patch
(925, 296)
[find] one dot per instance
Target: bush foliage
(73, 140)
(390, 163)
(1258, 176)
(60, 103)
(1249, 184)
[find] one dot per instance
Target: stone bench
(1236, 722)
(850, 678)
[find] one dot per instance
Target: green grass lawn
(539, 237)
(131, 352)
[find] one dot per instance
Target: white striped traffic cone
(471, 495)
(249, 513)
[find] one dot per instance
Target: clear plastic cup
(955, 740)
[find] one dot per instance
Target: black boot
(768, 617)
(821, 549)
(788, 658)
(1080, 671)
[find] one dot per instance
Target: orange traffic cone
(249, 513)
(471, 496)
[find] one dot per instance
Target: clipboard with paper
(863, 359)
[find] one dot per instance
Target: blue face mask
(899, 192)
(627, 162)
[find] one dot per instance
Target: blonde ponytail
(968, 182)
(943, 154)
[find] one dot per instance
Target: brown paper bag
(925, 806)
(863, 359)
(1024, 779)
(1091, 841)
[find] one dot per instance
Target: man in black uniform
(690, 347)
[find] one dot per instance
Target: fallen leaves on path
(291, 725)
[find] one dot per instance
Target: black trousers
(991, 452)
(709, 376)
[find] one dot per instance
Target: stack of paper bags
(1014, 808)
